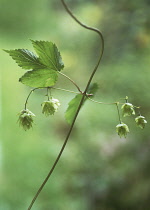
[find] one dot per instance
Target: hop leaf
(140, 121)
(128, 109)
(26, 119)
(50, 107)
(43, 68)
(122, 130)
(25, 59)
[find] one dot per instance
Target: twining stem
(92, 29)
(84, 94)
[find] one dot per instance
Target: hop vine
(43, 67)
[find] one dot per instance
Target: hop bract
(140, 121)
(26, 119)
(128, 109)
(122, 130)
(50, 107)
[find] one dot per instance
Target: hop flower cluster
(26, 119)
(140, 121)
(128, 110)
(50, 107)
(122, 129)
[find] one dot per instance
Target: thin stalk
(80, 105)
(98, 102)
(70, 81)
(126, 99)
(117, 104)
(25, 105)
(70, 91)
(48, 93)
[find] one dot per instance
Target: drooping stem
(117, 104)
(80, 105)
(126, 99)
(48, 94)
(25, 106)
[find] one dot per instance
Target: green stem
(80, 105)
(117, 104)
(48, 89)
(98, 102)
(126, 99)
(25, 106)
(70, 91)
(48, 98)
(71, 81)
(92, 29)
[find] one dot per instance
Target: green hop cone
(26, 119)
(127, 109)
(50, 107)
(140, 121)
(122, 130)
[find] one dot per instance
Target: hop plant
(26, 119)
(127, 109)
(140, 121)
(122, 129)
(50, 107)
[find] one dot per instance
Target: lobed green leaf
(92, 89)
(48, 54)
(72, 108)
(39, 78)
(25, 59)
(74, 103)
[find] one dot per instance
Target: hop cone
(140, 121)
(122, 130)
(127, 109)
(50, 107)
(26, 119)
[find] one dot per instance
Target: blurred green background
(98, 170)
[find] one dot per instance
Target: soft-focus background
(98, 170)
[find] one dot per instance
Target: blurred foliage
(98, 170)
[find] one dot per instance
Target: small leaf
(39, 78)
(74, 103)
(92, 89)
(72, 108)
(48, 54)
(25, 59)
